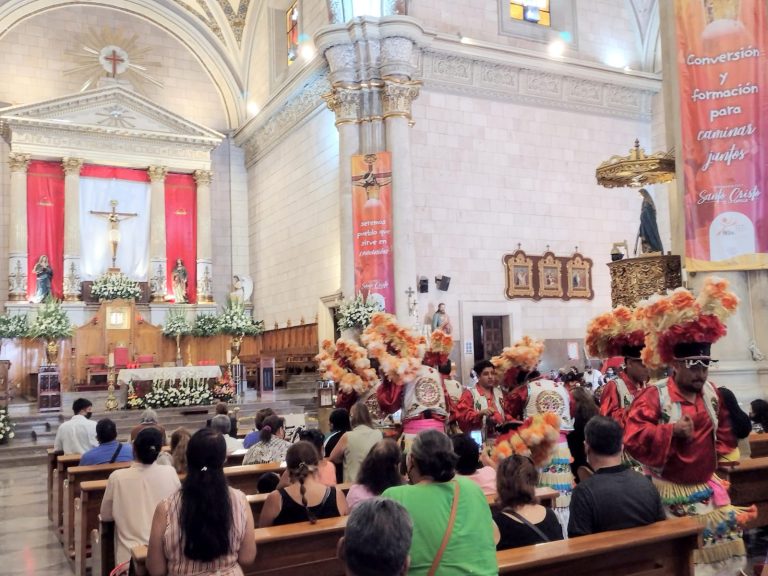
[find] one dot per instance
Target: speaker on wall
(423, 285)
(442, 282)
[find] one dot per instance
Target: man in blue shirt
(109, 449)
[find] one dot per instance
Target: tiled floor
(28, 547)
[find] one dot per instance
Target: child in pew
(206, 527)
(306, 498)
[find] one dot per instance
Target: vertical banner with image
(372, 227)
(723, 68)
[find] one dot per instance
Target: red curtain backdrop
(92, 171)
(181, 229)
(45, 221)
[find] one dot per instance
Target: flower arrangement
(135, 402)
(679, 317)
(536, 438)
(236, 321)
(206, 325)
(14, 326)
(347, 363)
(162, 397)
(52, 323)
(224, 389)
(398, 351)
(440, 346)
(522, 356)
(176, 324)
(610, 333)
(117, 286)
(357, 313)
(6, 426)
(194, 392)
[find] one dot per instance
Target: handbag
(448, 531)
(539, 533)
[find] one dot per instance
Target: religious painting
(118, 317)
(579, 276)
(550, 283)
(519, 275)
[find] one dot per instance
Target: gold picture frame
(118, 317)
(519, 275)
(579, 270)
(550, 276)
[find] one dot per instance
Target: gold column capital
(344, 101)
(397, 97)
(157, 173)
(18, 162)
(203, 176)
(71, 165)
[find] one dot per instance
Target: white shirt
(130, 500)
(233, 444)
(76, 436)
(595, 378)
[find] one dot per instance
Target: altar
(168, 374)
(168, 387)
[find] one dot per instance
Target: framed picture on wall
(579, 276)
(550, 269)
(118, 317)
(519, 275)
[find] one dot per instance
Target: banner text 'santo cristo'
(724, 115)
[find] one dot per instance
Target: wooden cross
(114, 219)
(114, 59)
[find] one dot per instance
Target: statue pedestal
(634, 279)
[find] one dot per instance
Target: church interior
(203, 192)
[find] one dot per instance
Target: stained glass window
(292, 32)
(535, 11)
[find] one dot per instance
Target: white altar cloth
(128, 375)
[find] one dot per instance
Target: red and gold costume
(617, 397)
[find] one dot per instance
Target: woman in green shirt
(453, 532)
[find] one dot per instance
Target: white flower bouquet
(116, 287)
(236, 321)
(357, 313)
(52, 323)
(206, 325)
(176, 324)
(6, 426)
(14, 326)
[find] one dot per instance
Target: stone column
(345, 103)
(17, 229)
(158, 264)
(71, 167)
(204, 250)
(396, 106)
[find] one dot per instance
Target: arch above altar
(111, 127)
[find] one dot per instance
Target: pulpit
(635, 279)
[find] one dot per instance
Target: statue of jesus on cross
(114, 218)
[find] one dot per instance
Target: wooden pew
(749, 485)
(63, 463)
(51, 468)
(660, 549)
(87, 505)
(758, 443)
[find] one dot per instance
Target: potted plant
(176, 326)
(206, 325)
(354, 315)
(115, 286)
(51, 325)
(237, 323)
(13, 327)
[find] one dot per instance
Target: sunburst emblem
(111, 54)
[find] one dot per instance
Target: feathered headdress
(397, 349)
(537, 438)
(678, 325)
(615, 333)
(347, 364)
(522, 356)
(440, 346)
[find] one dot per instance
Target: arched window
(292, 32)
(344, 10)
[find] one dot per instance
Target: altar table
(128, 375)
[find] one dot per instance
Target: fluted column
(396, 106)
(204, 243)
(71, 167)
(17, 229)
(345, 103)
(158, 264)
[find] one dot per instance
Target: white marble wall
(5, 216)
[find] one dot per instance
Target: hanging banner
(181, 233)
(372, 227)
(723, 69)
(45, 229)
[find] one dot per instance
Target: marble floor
(28, 547)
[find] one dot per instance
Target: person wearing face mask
(78, 434)
(679, 428)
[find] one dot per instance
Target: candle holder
(111, 404)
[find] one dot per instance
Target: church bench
(758, 444)
(661, 549)
(52, 457)
(749, 485)
(63, 463)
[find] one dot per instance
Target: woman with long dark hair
(380, 470)
(585, 408)
(339, 421)
(305, 498)
(206, 527)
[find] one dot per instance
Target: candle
(229, 356)
(111, 360)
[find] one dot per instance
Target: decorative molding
(157, 173)
(478, 77)
(18, 162)
(71, 166)
(72, 279)
(158, 282)
(203, 177)
(204, 281)
(397, 97)
(345, 104)
(17, 278)
(635, 279)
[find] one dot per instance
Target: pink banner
(724, 114)
(372, 227)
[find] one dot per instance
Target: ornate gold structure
(111, 403)
(636, 169)
(635, 279)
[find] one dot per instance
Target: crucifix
(114, 59)
(114, 218)
(371, 182)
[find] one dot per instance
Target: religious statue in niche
(242, 289)
(44, 273)
(441, 320)
(179, 278)
(648, 234)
